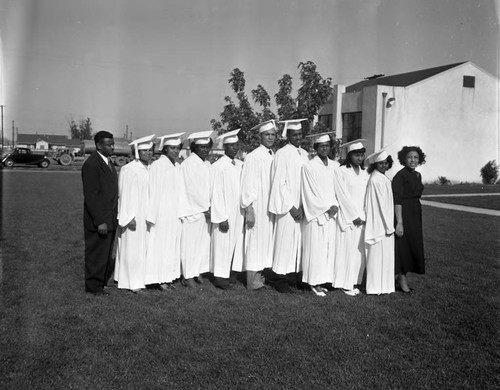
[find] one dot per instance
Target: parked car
(26, 157)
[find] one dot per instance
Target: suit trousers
(99, 259)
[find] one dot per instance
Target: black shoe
(154, 286)
(98, 293)
(284, 288)
(222, 283)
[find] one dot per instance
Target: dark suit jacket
(100, 191)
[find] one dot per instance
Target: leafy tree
(312, 94)
(489, 173)
(286, 104)
(80, 130)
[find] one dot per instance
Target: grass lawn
(485, 202)
(444, 335)
(466, 188)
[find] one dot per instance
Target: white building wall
(457, 127)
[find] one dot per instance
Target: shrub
(442, 180)
(489, 173)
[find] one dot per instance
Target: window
(326, 120)
(351, 126)
(469, 81)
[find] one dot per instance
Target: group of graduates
(283, 212)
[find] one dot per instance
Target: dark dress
(407, 189)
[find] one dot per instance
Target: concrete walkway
(460, 195)
(457, 207)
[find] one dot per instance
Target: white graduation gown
(379, 235)
(227, 248)
(350, 258)
(318, 196)
(285, 194)
(193, 202)
(163, 262)
(255, 189)
(133, 187)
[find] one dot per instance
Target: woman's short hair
(347, 161)
(407, 149)
(373, 166)
(315, 146)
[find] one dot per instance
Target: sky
(162, 66)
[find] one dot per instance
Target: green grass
(444, 335)
(486, 202)
(464, 188)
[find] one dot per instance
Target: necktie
(110, 165)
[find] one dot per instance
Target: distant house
(451, 111)
(42, 141)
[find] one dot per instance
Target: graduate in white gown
(163, 261)
(259, 223)
(379, 229)
(350, 258)
(133, 192)
(285, 203)
(320, 209)
(226, 213)
(194, 209)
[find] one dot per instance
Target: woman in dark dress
(407, 189)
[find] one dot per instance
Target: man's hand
(102, 229)
(132, 225)
(297, 214)
(224, 226)
(332, 211)
(250, 217)
(358, 222)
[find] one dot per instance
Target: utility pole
(2, 106)
(12, 134)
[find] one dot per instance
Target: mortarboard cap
(354, 145)
(230, 137)
(144, 143)
(321, 137)
(170, 139)
(378, 156)
(292, 124)
(201, 137)
(265, 126)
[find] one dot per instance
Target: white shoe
(319, 292)
(352, 293)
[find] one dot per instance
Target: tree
(240, 115)
(312, 94)
(80, 130)
(489, 173)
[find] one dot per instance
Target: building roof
(403, 79)
(34, 138)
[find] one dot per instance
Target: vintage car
(26, 157)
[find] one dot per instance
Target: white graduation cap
(170, 139)
(321, 137)
(230, 137)
(265, 126)
(201, 137)
(354, 145)
(378, 156)
(144, 143)
(292, 124)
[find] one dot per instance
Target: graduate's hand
(358, 222)
(250, 217)
(399, 230)
(332, 211)
(224, 226)
(131, 225)
(297, 214)
(102, 229)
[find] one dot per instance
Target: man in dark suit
(100, 190)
